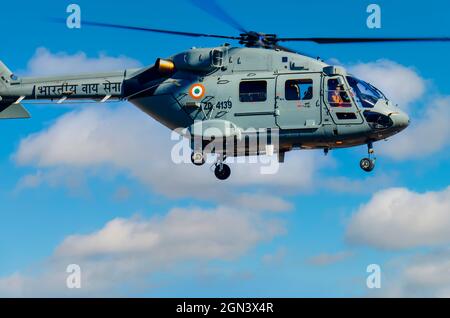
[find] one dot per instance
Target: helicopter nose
(401, 120)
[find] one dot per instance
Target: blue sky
(80, 184)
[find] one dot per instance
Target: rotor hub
(256, 39)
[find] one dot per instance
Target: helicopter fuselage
(235, 92)
(250, 89)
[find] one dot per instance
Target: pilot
(308, 94)
(336, 97)
(293, 92)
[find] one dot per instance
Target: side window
(337, 94)
(253, 91)
(299, 89)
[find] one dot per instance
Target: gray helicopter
(260, 99)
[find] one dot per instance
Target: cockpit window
(367, 94)
(337, 94)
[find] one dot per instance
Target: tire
(224, 173)
(367, 164)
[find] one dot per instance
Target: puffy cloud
(427, 134)
(262, 202)
(219, 233)
(72, 179)
(398, 218)
(125, 251)
(434, 273)
(367, 185)
(129, 141)
(45, 63)
(422, 275)
(400, 83)
(326, 259)
(115, 137)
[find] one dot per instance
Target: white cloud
(261, 202)
(72, 179)
(365, 185)
(128, 251)
(427, 134)
(129, 141)
(46, 63)
(400, 83)
(398, 218)
(219, 233)
(102, 136)
(423, 275)
(431, 273)
(326, 259)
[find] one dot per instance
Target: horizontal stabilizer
(15, 111)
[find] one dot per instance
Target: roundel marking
(197, 91)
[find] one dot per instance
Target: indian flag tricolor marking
(197, 91)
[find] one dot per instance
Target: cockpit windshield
(367, 94)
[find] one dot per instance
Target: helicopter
(260, 98)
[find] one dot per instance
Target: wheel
(222, 173)
(367, 164)
(198, 159)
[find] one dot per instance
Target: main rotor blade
(364, 40)
(286, 49)
(214, 9)
(135, 28)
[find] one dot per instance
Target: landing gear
(368, 164)
(198, 158)
(222, 171)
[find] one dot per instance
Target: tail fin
(9, 109)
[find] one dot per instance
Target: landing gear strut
(222, 171)
(368, 164)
